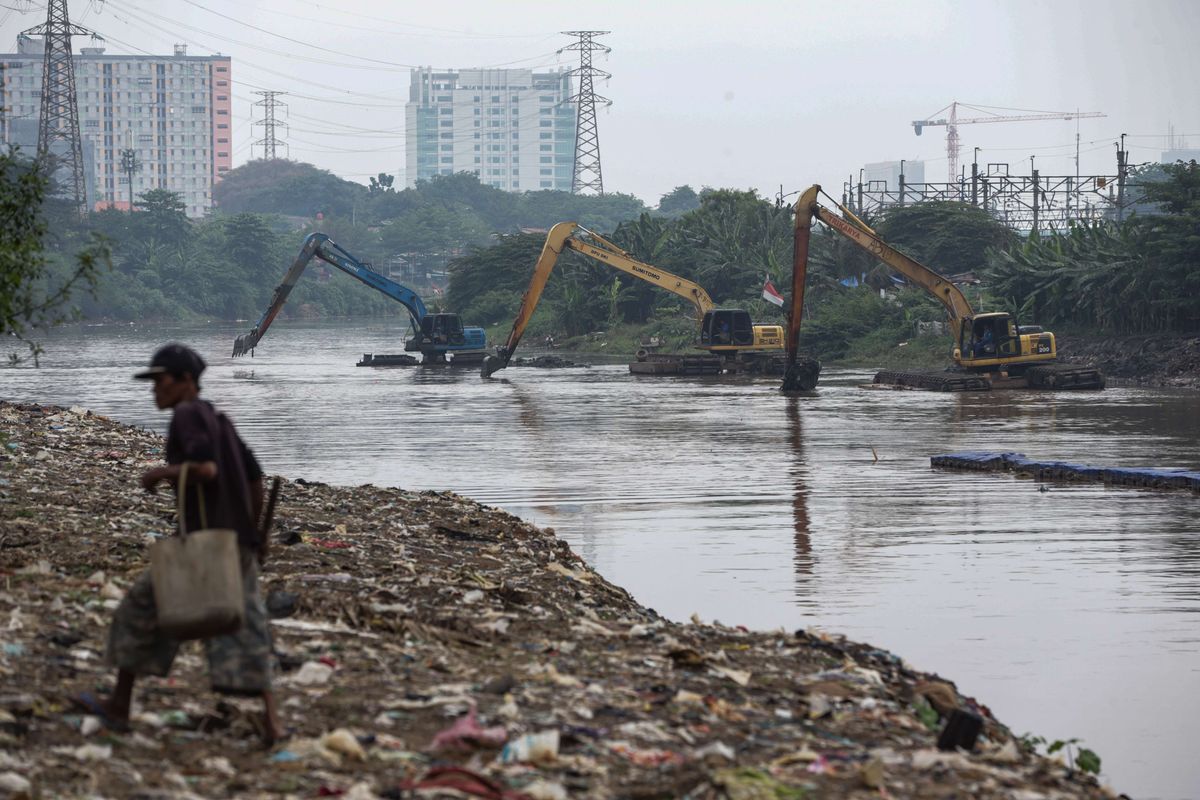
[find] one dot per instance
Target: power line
(587, 173)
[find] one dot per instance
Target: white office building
(513, 128)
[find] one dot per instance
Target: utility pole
(270, 141)
(59, 116)
(587, 173)
(129, 165)
(1122, 160)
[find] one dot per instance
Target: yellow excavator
(990, 350)
(735, 343)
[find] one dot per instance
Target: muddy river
(1072, 611)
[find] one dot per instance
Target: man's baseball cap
(174, 359)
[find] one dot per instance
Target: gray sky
(749, 95)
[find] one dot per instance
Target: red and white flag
(771, 294)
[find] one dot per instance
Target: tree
(280, 186)
(1177, 191)
(679, 200)
(381, 184)
(32, 298)
(162, 216)
(948, 237)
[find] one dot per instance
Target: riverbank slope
(397, 614)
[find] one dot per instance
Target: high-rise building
(888, 172)
(174, 112)
(513, 128)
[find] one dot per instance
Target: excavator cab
(442, 329)
(727, 327)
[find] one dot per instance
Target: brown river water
(1071, 612)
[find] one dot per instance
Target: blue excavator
(434, 335)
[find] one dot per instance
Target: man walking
(216, 457)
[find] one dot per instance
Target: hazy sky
(748, 95)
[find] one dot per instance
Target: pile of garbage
(429, 646)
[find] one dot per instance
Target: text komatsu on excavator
(434, 335)
(990, 350)
(736, 343)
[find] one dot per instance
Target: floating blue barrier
(992, 461)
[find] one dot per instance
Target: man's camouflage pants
(238, 662)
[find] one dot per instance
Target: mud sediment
(401, 615)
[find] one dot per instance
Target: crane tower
(952, 122)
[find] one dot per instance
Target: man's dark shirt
(200, 433)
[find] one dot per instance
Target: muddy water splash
(1072, 611)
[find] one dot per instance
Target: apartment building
(174, 112)
(514, 128)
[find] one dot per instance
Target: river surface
(1071, 612)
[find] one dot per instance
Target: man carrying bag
(222, 488)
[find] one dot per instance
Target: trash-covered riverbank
(424, 639)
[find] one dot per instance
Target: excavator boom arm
(562, 237)
(808, 207)
(318, 245)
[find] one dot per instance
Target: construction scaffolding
(1025, 203)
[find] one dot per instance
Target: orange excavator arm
(808, 207)
(563, 237)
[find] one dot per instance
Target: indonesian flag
(771, 294)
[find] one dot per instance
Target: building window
(222, 112)
(545, 135)
(547, 184)
(545, 172)
(545, 147)
(220, 96)
(222, 155)
(447, 123)
(222, 125)
(546, 160)
(222, 141)
(545, 123)
(447, 159)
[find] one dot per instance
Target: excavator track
(934, 381)
(1064, 376)
(673, 364)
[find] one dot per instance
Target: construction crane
(953, 121)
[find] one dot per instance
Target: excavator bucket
(245, 343)
(801, 375)
(493, 364)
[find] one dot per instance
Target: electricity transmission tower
(587, 173)
(59, 118)
(269, 141)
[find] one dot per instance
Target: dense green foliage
(225, 266)
(36, 289)
(1139, 275)
(729, 244)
